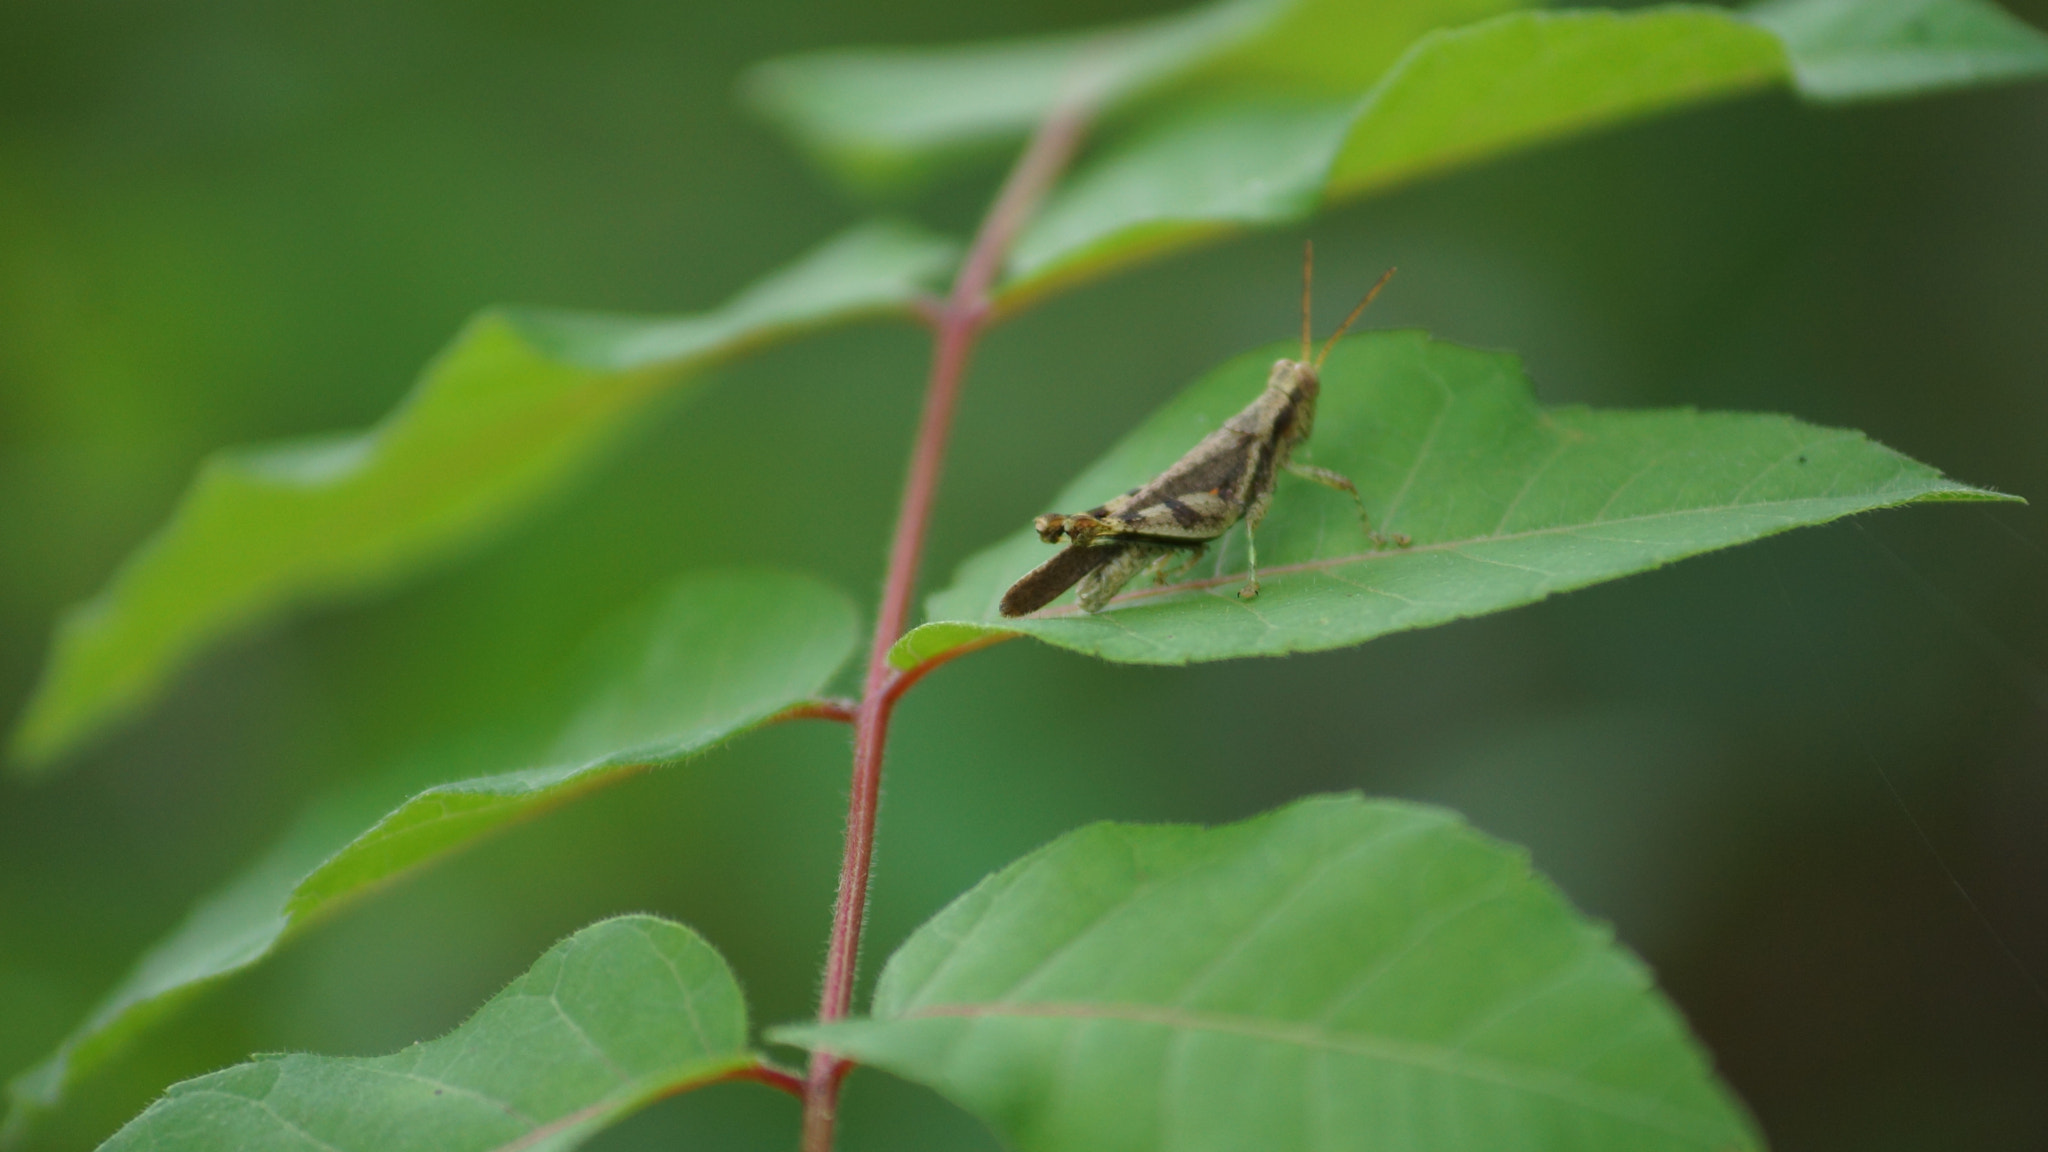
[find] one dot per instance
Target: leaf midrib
(1451, 546)
(1448, 1061)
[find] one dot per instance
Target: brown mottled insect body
(1078, 563)
(1227, 477)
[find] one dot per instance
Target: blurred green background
(1771, 768)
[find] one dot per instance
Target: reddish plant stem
(831, 708)
(957, 323)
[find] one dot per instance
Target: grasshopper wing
(1042, 584)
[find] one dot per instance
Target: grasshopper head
(1294, 379)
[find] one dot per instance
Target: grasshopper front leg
(1251, 548)
(1342, 483)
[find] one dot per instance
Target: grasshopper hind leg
(1096, 588)
(1251, 550)
(1043, 584)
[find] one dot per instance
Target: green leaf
(1206, 171)
(1506, 503)
(716, 654)
(619, 1015)
(502, 417)
(1339, 47)
(1427, 85)
(1462, 95)
(932, 641)
(1863, 49)
(1528, 77)
(1337, 974)
(879, 116)
(883, 116)
(1455, 97)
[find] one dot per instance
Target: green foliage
(617, 1016)
(1339, 973)
(1242, 163)
(506, 414)
(1519, 79)
(716, 654)
(880, 117)
(1505, 503)
(1461, 95)
(1334, 47)
(1455, 97)
(524, 397)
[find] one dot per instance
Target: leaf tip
(55, 724)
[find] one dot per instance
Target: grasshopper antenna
(1308, 279)
(1346, 325)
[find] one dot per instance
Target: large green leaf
(879, 116)
(1466, 94)
(1505, 503)
(715, 655)
(1337, 974)
(1431, 82)
(619, 1015)
(500, 418)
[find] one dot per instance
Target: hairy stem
(957, 323)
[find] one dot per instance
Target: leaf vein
(1436, 425)
(269, 1110)
(1574, 1091)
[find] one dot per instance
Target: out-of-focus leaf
(1466, 94)
(1506, 503)
(1213, 169)
(619, 1015)
(878, 115)
(716, 654)
(1524, 78)
(502, 417)
(1861, 49)
(1337, 974)
(1448, 84)
(1457, 96)
(1339, 47)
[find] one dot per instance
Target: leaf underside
(1505, 503)
(715, 655)
(619, 1015)
(508, 413)
(1336, 974)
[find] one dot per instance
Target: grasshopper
(1226, 478)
